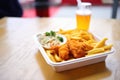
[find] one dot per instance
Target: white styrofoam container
(74, 63)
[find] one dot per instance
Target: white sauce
(49, 41)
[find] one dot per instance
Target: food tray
(74, 63)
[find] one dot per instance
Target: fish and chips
(79, 44)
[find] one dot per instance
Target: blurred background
(67, 8)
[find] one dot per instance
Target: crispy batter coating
(78, 49)
(86, 46)
(64, 52)
(54, 50)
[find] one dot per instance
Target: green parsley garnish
(60, 38)
(47, 34)
(52, 33)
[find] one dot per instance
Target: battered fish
(64, 52)
(78, 49)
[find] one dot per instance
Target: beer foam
(83, 12)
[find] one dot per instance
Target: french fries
(100, 47)
(50, 55)
(107, 47)
(95, 50)
(101, 43)
(57, 58)
(53, 57)
(82, 36)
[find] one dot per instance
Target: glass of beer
(83, 15)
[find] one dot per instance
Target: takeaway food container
(73, 63)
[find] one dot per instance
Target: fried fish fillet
(64, 52)
(78, 49)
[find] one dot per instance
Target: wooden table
(20, 58)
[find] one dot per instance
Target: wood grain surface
(20, 58)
